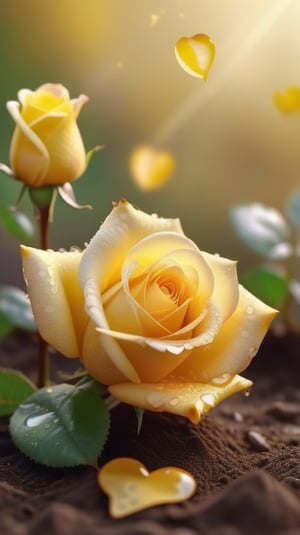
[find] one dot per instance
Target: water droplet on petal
(252, 352)
(155, 399)
(221, 379)
(208, 399)
(173, 402)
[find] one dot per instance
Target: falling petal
(151, 168)
(195, 54)
(131, 488)
(289, 101)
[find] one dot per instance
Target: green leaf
(63, 425)
(92, 151)
(293, 208)
(6, 326)
(267, 285)
(14, 388)
(17, 223)
(263, 229)
(16, 308)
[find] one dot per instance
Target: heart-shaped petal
(195, 54)
(151, 168)
(289, 101)
(131, 488)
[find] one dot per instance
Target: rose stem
(43, 216)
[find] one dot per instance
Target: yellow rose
(46, 147)
(164, 324)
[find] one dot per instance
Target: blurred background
(230, 142)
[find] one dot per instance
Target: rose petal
(77, 104)
(122, 229)
(195, 54)
(27, 142)
(111, 346)
(288, 101)
(172, 249)
(235, 345)
(151, 168)
(131, 488)
(56, 297)
(207, 331)
(67, 194)
(102, 261)
(191, 400)
(58, 90)
(97, 361)
(226, 289)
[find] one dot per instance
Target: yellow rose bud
(46, 147)
(165, 325)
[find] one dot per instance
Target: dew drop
(34, 444)
(186, 485)
(130, 487)
(37, 419)
(155, 399)
(252, 352)
(208, 399)
(173, 402)
(250, 310)
(221, 379)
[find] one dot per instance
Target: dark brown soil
(245, 455)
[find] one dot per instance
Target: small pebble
(238, 417)
(283, 411)
(293, 481)
(258, 441)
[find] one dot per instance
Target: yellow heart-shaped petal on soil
(289, 101)
(131, 488)
(195, 54)
(151, 168)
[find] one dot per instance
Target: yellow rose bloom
(46, 147)
(165, 325)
